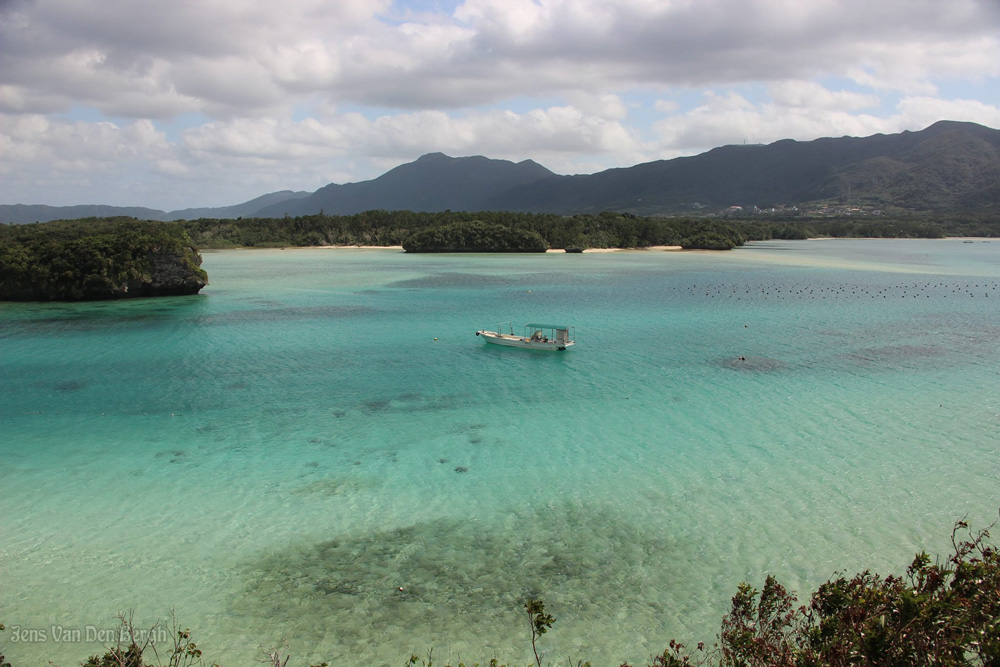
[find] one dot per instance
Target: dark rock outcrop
(175, 273)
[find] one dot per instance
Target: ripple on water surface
(279, 456)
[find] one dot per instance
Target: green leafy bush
(939, 613)
(708, 241)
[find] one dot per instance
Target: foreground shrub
(939, 613)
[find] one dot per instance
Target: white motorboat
(536, 336)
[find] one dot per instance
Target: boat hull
(520, 341)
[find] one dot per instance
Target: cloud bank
(171, 105)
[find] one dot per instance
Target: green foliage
(131, 656)
(760, 629)
(938, 614)
(708, 241)
(874, 228)
(500, 231)
(134, 647)
(384, 228)
(475, 236)
(942, 613)
(96, 259)
(540, 623)
(969, 225)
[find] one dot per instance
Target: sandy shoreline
(552, 250)
(595, 250)
(400, 248)
(655, 248)
(896, 238)
(354, 247)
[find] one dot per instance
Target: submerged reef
(451, 578)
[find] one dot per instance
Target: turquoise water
(275, 458)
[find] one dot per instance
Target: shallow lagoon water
(275, 458)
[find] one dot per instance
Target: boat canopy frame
(557, 327)
(551, 332)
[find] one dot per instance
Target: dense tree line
(97, 259)
(383, 228)
(475, 236)
(604, 230)
(969, 224)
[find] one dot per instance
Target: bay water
(318, 452)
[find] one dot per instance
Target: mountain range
(948, 167)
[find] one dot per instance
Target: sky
(172, 104)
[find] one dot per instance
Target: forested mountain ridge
(434, 182)
(239, 210)
(25, 213)
(948, 167)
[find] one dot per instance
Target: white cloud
(273, 140)
(257, 155)
(70, 163)
(97, 145)
(306, 90)
(606, 105)
(247, 58)
(812, 95)
(922, 111)
(401, 137)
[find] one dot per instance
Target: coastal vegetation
(490, 231)
(475, 236)
(113, 258)
(940, 612)
(97, 259)
(603, 230)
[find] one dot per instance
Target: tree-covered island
(113, 258)
(97, 259)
